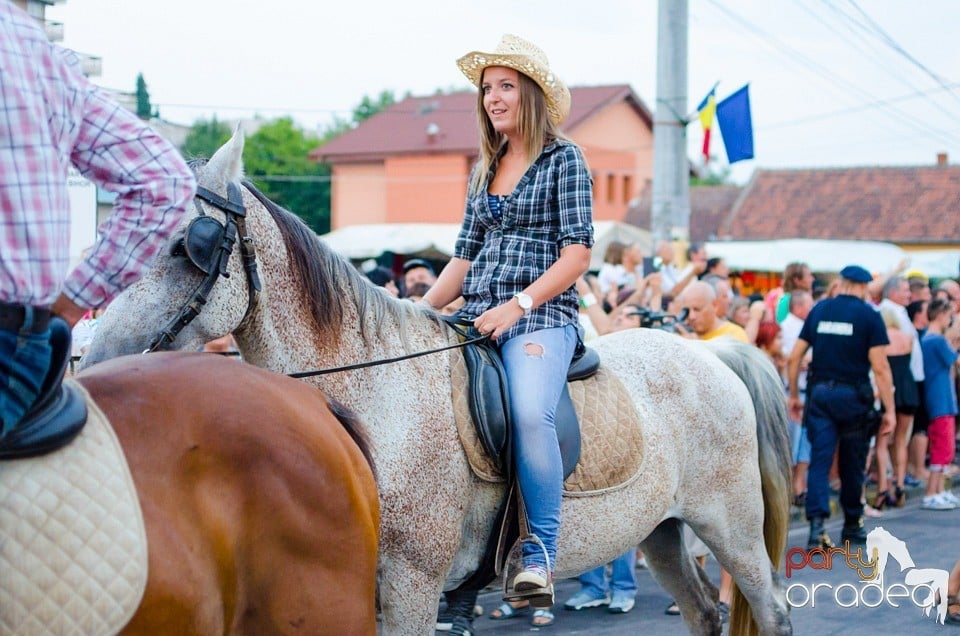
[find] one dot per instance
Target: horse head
(313, 307)
(204, 249)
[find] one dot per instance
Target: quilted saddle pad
(73, 547)
(611, 439)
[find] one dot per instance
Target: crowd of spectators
(691, 294)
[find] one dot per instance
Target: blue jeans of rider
(834, 419)
(536, 365)
(24, 362)
(623, 577)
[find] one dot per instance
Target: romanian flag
(736, 124)
(706, 111)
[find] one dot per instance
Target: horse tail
(354, 427)
(763, 382)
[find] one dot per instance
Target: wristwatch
(525, 302)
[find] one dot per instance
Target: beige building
(410, 162)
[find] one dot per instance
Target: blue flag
(736, 127)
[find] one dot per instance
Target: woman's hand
(494, 322)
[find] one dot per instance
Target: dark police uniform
(842, 331)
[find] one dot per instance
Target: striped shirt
(511, 247)
(51, 117)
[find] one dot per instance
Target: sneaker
(532, 577)
(724, 610)
(622, 602)
(949, 497)
(642, 563)
(911, 482)
(583, 600)
(936, 502)
(444, 621)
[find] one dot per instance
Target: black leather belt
(13, 316)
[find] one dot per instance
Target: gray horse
(712, 415)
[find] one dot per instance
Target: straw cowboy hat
(527, 58)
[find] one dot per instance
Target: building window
(627, 188)
(611, 187)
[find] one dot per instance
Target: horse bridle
(208, 244)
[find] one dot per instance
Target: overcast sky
(832, 82)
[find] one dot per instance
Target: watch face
(525, 302)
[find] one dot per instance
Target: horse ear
(227, 162)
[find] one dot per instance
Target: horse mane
(354, 427)
(329, 282)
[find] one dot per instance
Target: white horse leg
(675, 570)
(409, 599)
(741, 552)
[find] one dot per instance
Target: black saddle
(59, 413)
(489, 400)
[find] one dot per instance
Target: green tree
(204, 138)
(275, 159)
(368, 107)
(712, 177)
(144, 110)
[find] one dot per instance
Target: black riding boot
(818, 535)
(853, 530)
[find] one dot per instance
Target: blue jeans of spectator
(536, 366)
(24, 362)
(623, 578)
(834, 418)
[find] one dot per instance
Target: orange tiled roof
(709, 206)
(900, 204)
(447, 124)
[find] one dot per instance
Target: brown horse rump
(73, 553)
(611, 441)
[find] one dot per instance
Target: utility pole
(670, 215)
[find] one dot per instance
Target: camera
(660, 320)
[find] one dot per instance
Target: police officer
(848, 339)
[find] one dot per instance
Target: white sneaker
(949, 497)
(936, 502)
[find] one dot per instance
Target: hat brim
(556, 92)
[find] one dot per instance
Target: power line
(862, 107)
(861, 30)
(797, 57)
(893, 44)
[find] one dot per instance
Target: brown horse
(258, 496)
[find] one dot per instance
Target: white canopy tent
(436, 240)
(823, 256)
(937, 263)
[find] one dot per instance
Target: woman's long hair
(533, 125)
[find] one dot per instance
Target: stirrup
(519, 584)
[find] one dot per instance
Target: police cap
(856, 274)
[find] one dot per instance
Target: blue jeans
(834, 419)
(536, 378)
(24, 362)
(622, 579)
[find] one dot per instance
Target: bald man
(704, 317)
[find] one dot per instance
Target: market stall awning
(822, 255)
(436, 240)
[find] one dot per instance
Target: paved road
(933, 539)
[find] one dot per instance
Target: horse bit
(208, 244)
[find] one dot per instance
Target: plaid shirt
(549, 209)
(52, 117)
